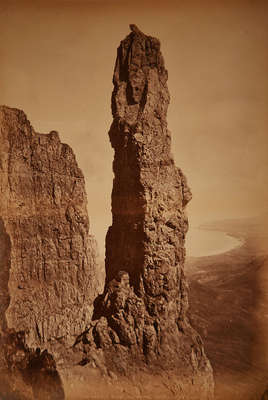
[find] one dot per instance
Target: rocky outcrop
(48, 274)
(140, 321)
(47, 257)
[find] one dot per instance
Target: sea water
(201, 242)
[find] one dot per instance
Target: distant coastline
(228, 307)
(207, 240)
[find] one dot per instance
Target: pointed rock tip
(135, 29)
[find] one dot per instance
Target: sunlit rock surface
(47, 255)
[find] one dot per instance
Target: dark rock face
(140, 320)
(27, 374)
(47, 257)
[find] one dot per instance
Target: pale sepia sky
(57, 61)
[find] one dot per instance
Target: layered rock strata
(47, 256)
(140, 322)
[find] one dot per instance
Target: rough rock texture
(47, 257)
(140, 321)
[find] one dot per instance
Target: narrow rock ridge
(140, 321)
(47, 256)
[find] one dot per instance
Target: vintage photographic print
(133, 200)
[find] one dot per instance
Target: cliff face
(48, 259)
(47, 256)
(140, 320)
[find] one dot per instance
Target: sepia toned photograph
(133, 200)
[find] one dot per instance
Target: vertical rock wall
(47, 262)
(141, 321)
(149, 192)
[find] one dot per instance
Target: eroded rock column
(141, 317)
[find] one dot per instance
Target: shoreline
(233, 325)
(240, 241)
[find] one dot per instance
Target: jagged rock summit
(140, 322)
